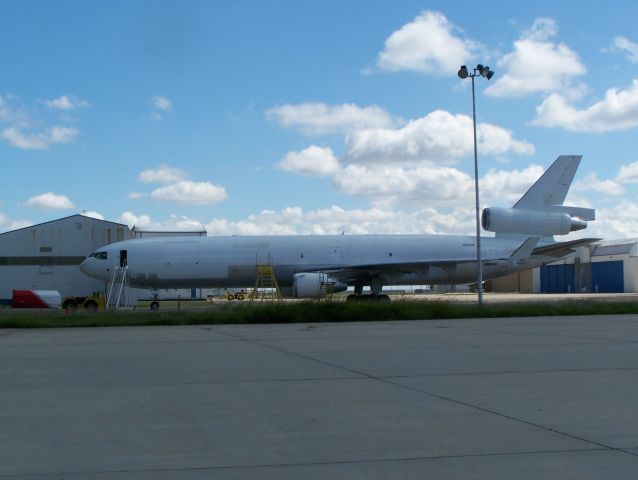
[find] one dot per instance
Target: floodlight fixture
(485, 71)
(463, 73)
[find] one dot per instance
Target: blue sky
(312, 117)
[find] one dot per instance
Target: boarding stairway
(118, 296)
(266, 286)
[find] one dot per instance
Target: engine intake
(315, 285)
(542, 223)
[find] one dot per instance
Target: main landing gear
(376, 295)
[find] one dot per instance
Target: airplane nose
(84, 266)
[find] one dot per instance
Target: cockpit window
(98, 255)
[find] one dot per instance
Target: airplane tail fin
(551, 188)
(540, 211)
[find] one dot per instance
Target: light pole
(487, 73)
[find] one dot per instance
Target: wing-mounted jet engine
(315, 285)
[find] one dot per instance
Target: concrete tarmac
(522, 398)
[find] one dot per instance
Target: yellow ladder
(327, 291)
(267, 282)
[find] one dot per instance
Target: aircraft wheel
(240, 296)
(154, 306)
(353, 298)
(230, 296)
(69, 305)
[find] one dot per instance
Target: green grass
(310, 312)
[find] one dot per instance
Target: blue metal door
(607, 277)
(557, 278)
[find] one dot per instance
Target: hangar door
(557, 278)
(607, 277)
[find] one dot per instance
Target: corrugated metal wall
(46, 256)
(515, 283)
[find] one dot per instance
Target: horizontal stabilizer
(587, 214)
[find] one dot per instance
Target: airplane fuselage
(230, 262)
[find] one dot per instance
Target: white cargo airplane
(306, 266)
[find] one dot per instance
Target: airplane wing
(561, 249)
(362, 272)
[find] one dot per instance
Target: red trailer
(36, 299)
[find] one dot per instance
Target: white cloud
(536, 64)
(628, 173)
(438, 137)
(428, 44)
(494, 140)
(176, 222)
(21, 131)
(591, 183)
(130, 219)
(312, 161)
(39, 141)
(162, 174)
(617, 111)
(67, 103)
(434, 186)
(92, 214)
(6, 112)
(50, 201)
(629, 47)
(12, 113)
(335, 220)
(190, 193)
(57, 134)
(315, 118)
(183, 222)
(162, 103)
(506, 187)
(7, 224)
(618, 222)
(542, 30)
(178, 189)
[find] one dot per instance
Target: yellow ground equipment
(241, 295)
(91, 302)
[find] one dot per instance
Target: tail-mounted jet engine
(533, 222)
(315, 285)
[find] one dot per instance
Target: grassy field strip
(303, 312)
